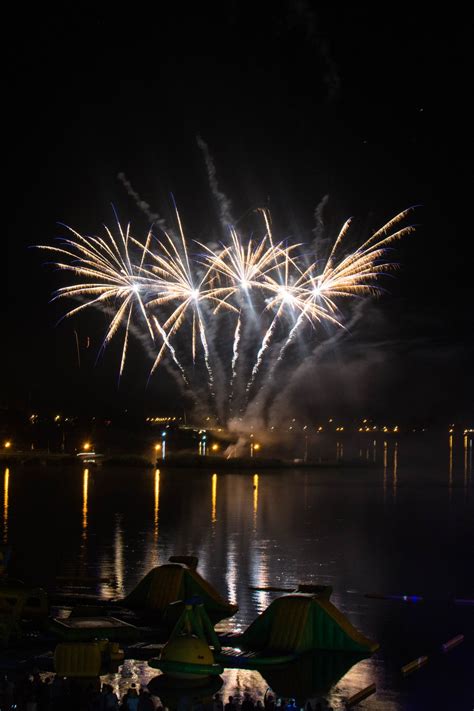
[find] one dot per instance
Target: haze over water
(403, 526)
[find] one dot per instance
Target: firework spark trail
(291, 335)
(348, 278)
(354, 274)
(235, 350)
(165, 345)
(285, 294)
(235, 356)
(193, 347)
(113, 276)
(77, 348)
(177, 282)
(264, 345)
(244, 268)
(202, 333)
(125, 343)
(171, 349)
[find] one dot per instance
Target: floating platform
(158, 599)
(246, 659)
(88, 629)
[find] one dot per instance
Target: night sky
(295, 102)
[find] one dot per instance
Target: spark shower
(225, 318)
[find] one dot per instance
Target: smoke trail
(318, 230)
(141, 204)
(266, 402)
(275, 403)
(223, 202)
(321, 239)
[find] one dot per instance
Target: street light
(157, 447)
(7, 444)
(254, 447)
(86, 446)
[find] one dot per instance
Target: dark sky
(295, 102)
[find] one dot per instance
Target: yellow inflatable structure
(171, 582)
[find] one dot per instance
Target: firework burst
(113, 278)
(180, 295)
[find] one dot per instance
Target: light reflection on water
(6, 486)
(395, 469)
(214, 498)
(450, 471)
(232, 569)
(119, 555)
(85, 490)
(400, 528)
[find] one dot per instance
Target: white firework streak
(125, 342)
(235, 356)
(193, 345)
(265, 343)
(291, 335)
(207, 360)
(166, 342)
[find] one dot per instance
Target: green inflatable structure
(173, 582)
(300, 623)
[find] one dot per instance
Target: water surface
(404, 526)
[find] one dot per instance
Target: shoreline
(203, 463)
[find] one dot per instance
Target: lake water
(402, 526)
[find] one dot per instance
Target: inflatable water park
(169, 621)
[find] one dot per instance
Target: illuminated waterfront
(401, 527)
